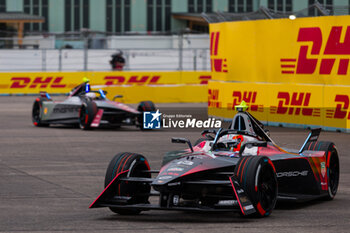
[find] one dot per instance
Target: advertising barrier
(189, 93)
(313, 50)
(296, 105)
(290, 72)
(153, 85)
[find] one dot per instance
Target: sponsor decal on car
(176, 169)
(188, 163)
(248, 207)
(66, 109)
(165, 177)
(323, 169)
(292, 173)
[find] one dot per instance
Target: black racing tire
(332, 165)
(257, 177)
(37, 112)
(87, 114)
(135, 163)
(145, 106)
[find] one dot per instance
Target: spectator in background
(118, 61)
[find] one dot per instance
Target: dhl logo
(249, 97)
(56, 82)
(132, 80)
(334, 47)
(41, 82)
(295, 104)
(213, 98)
(217, 64)
(341, 109)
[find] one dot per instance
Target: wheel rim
(140, 191)
(267, 188)
(333, 173)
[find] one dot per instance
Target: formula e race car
(236, 169)
(88, 109)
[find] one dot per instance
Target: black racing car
(237, 169)
(88, 109)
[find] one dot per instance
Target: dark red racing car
(237, 169)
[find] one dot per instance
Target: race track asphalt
(49, 177)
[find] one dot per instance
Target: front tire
(37, 112)
(332, 165)
(139, 192)
(257, 177)
(87, 114)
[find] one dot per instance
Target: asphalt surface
(49, 177)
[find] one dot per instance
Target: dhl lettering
(334, 46)
(295, 104)
(213, 97)
(142, 80)
(20, 82)
(341, 109)
(249, 97)
(24, 82)
(217, 64)
(114, 80)
(42, 82)
(204, 79)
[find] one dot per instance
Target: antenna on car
(312, 137)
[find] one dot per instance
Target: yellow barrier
(299, 105)
(62, 82)
(185, 93)
(291, 72)
(186, 86)
(305, 50)
(336, 106)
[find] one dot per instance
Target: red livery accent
(115, 178)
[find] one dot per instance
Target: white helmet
(91, 95)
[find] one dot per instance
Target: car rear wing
(312, 137)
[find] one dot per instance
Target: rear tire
(87, 114)
(37, 112)
(135, 163)
(145, 106)
(257, 177)
(332, 165)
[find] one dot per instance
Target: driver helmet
(86, 79)
(91, 95)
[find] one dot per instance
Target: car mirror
(182, 140)
(117, 96)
